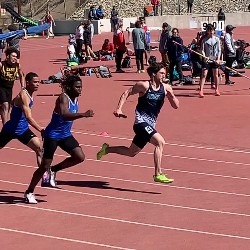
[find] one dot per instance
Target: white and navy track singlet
(18, 123)
(149, 105)
(58, 127)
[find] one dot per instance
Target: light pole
(19, 7)
(65, 9)
(179, 7)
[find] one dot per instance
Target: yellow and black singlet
(8, 74)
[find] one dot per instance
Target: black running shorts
(6, 137)
(5, 95)
(143, 134)
(50, 145)
(212, 65)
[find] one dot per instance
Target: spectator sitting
(145, 12)
(221, 15)
(107, 49)
(100, 12)
(92, 13)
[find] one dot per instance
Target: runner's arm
(171, 97)
(64, 110)
(136, 89)
(219, 52)
(24, 103)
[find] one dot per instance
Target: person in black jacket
(175, 56)
(229, 52)
(189, 5)
(221, 15)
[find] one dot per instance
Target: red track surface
(114, 203)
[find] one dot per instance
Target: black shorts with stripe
(50, 145)
(143, 134)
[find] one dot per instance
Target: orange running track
(114, 203)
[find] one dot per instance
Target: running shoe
(46, 179)
(162, 178)
(52, 180)
(103, 151)
(30, 198)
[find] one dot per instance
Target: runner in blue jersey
(58, 133)
(152, 94)
(21, 117)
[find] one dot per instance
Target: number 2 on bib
(149, 129)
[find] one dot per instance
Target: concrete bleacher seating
(179, 21)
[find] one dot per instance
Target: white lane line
(138, 223)
(173, 170)
(139, 182)
(170, 144)
(62, 238)
(133, 200)
(167, 169)
(184, 157)
(41, 48)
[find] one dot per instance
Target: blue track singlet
(149, 105)
(18, 123)
(59, 128)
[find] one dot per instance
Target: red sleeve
(111, 47)
(122, 45)
(120, 38)
(119, 41)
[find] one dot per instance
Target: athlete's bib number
(149, 129)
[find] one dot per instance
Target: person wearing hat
(229, 51)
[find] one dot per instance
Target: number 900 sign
(219, 25)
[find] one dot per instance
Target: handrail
(80, 7)
(41, 7)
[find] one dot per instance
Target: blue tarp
(38, 29)
(30, 31)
